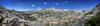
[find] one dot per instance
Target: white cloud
(33, 5)
(56, 3)
(45, 2)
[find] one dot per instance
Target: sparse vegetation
(95, 19)
(49, 17)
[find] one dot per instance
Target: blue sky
(27, 5)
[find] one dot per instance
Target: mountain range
(46, 17)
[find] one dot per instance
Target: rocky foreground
(47, 17)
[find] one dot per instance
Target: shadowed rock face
(1, 11)
(1, 20)
(15, 22)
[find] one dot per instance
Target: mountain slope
(95, 19)
(46, 17)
